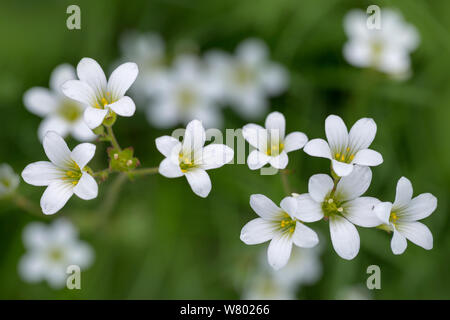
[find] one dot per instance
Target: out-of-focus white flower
(248, 77)
(184, 93)
(356, 292)
(65, 174)
(346, 149)
(50, 250)
(263, 286)
(191, 158)
(102, 98)
(148, 51)
(343, 206)
(61, 114)
(386, 49)
(9, 180)
(279, 225)
(271, 143)
(402, 217)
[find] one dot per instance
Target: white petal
(280, 161)
(417, 233)
(79, 91)
(165, 144)
(124, 107)
(318, 148)
(358, 53)
(170, 169)
(62, 232)
(257, 160)
(61, 74)
(295, 141)
(255, 136)
(86, 188)
(199, 181)
(345, 237)
(89, 71)
(83, 153)
(337, 134)
(362, 134)
(368, 157)
(41, 173)
(354, 185)
(252, 51)
(404, 193)
(319, 186)
(215, 156)
(398, 243)
(360, 211)
(35, 236)
(40, 101)
(383, 211)
(265, 207)
(419, 208)
(32, 267)
(121, 79)
(308, 210)
(258, 231)
(94, 117)
(342, 169)
(81, 131)
(274, 78)
(276, 123)
(194, 137)
(289, 205)
(162, 115)
(81, 254)
(53, 123)
(304, 236)
(279, 250)
(57, 150)
(56, 196)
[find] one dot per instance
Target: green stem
(112, 138)
(144, 171)
(111, 197)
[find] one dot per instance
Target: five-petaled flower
(51, 249)
(62, 115)
(191, 159)
(402, 217)
(342, 205)
(283, 226)
(271, 144)
(104, 99)
(65, 173)
(346, 149)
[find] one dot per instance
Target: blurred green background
(159, 240)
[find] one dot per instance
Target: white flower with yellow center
(342, 205)
(65, 174)
(402, 217)
(191, 158)
(248, 77)
(50, 250)
(346, 149)
(104, 99)
(387, 48)
(9, 180)
(282, 226)
(271, 143)
(61, 114)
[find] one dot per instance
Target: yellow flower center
(186, 162)
(332, 207)
(243, 75)
(70, 111)
(275, 149)
(186, 98)
(345, 156)
(104, 101)
(287, 224)
(393, 218)
(73, 175)
(56, 254)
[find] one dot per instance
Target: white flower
(271, 144)
(148, 51)
(263, 286)
(191, 159)
(9, 180)
(346, 149)
(343, 207)
(102, 98)
(280, 225)
(65, 173)
(51, 249)
(356, 292)
(183, 94)
(386, 49)
(248, 78)
(62, 115)
(402, 217)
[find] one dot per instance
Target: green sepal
(122, 161)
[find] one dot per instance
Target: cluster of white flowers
(51, 249)
(194, 88)
(337, 199)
